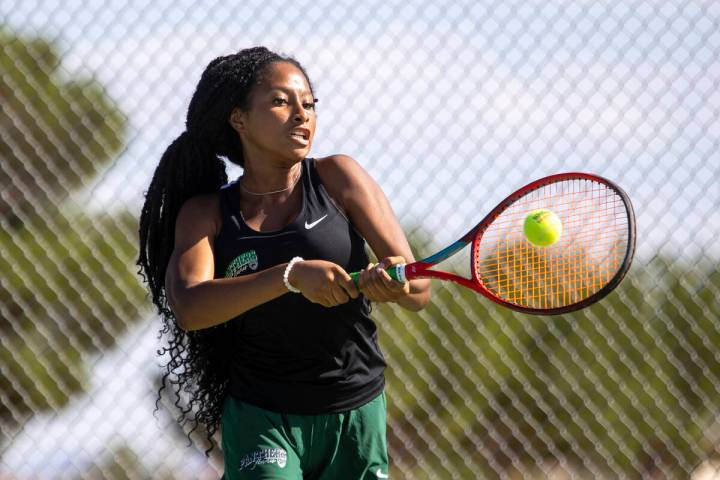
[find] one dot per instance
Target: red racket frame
(421, 268)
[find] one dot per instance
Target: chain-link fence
(450, 106)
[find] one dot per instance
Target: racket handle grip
(396, 272)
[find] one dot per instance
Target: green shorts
(260, 444)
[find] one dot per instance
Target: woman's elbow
(188, 316)
(185, 319)
(182, 319)
(419, 298)
(420, 301)
(182, 322)
(190, 319)
(423, 294)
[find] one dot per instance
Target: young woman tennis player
(264, 325)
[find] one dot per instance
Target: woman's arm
(196, 298)
(200, 301)
(370, 212)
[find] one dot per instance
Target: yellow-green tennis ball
(542, 227)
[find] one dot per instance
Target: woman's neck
(269, 180)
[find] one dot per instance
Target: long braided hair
(198, 363)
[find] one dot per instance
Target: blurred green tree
(56, 131)
(68, 289)
(626, 388)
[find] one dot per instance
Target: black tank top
(290, 355)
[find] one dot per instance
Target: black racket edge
(597, 296)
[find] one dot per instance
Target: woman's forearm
(212, 302)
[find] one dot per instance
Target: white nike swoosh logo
(379, 474)
(308, 226)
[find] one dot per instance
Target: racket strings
(591, 249)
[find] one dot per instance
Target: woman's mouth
(301, 135)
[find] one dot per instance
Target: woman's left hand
(378, 286)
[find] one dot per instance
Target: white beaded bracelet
(290, 264)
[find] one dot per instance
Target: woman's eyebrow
(290, 90)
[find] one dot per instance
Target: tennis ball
(542, 227)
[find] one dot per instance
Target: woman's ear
(237, 120)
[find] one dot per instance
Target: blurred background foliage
(628, 387)
(57, 131)
(68, 290)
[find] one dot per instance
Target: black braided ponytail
(192, 165)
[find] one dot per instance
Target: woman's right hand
(323, 282)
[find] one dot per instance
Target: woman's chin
(300, 152)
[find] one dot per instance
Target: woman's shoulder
(337, 160)
(201, 210)
(204, 203)
(337, 172)
(338, 169)
(345, 179)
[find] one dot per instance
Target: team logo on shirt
(241, 263)
(261, 457)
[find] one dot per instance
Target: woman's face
(280, 119)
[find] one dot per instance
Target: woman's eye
(310, 105)
(279, 101)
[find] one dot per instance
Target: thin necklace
(297, 178)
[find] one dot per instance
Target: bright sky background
(450, 106)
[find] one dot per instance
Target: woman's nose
(300, 114)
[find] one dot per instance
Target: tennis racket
(589, 260)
